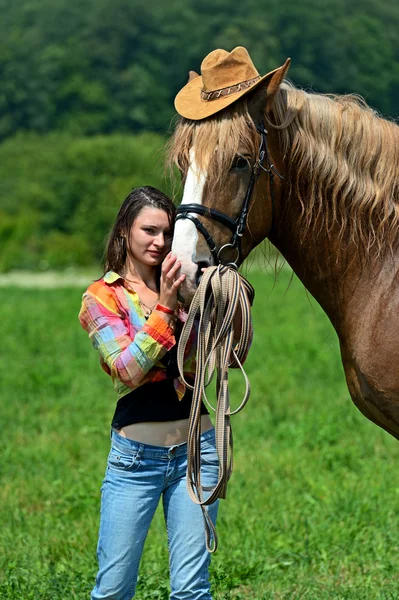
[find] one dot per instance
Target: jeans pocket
(120, 460)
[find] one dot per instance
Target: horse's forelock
(216, 142)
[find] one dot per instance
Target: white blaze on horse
(317, 175)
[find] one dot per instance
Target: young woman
(133, 319)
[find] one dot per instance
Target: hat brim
(190, 105)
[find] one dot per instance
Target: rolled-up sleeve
(122, 357)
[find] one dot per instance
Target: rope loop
(222, 291)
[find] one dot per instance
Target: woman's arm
(127, 359)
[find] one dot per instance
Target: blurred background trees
(87, 89)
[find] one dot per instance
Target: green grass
(312, 507)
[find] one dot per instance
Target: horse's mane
(341, 157)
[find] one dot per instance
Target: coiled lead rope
(221, 291)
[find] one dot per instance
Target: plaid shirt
(130, 346)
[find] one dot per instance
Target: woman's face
(150, 236)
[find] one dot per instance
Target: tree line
(87, 89)
(96, 66)
(60, 193)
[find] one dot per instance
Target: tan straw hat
(225, 77)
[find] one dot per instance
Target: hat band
(232, 89)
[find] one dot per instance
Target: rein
(221, 292)
(236, 226)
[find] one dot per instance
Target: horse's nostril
(200, 265)
(203, 264)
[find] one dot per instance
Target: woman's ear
(262, 98)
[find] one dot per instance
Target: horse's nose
(203, 264)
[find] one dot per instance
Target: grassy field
(312, 507)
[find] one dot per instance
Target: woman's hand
(170, 281)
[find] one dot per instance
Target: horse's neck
(315, 268)
(343, 282)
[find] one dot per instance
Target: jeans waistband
(149, 450)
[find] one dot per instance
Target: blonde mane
(341, 157)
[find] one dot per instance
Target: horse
(316, 174)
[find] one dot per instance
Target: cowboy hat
(225, 77)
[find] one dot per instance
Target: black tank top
(155, 401)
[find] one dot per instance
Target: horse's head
(220, 158)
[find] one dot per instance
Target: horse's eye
(240, 164)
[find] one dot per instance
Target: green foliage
(59, 195)
(78, 77)
(95, 66)
(312, 506)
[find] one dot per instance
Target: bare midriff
(166, 433)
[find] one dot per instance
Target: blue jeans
(136, 477)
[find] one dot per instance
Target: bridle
(236, 226)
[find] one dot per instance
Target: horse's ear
(192, 75)
(263, 96)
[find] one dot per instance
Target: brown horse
(333, 215)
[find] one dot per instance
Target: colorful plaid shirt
(130, 346)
